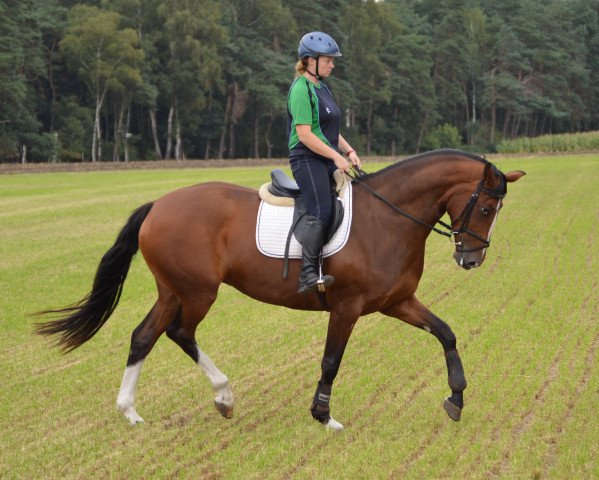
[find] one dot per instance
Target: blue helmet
(315, 44)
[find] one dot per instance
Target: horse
(195, 238)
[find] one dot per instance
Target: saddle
(284, 191)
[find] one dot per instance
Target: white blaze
(492, 225)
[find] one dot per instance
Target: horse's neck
(422, 188)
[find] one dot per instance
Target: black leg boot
(312, 244)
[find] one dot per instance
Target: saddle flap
(300, 218)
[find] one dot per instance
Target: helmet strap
(315, 75)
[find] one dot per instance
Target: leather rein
(464, 217)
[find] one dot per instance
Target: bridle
(464, 217)
(498, 192)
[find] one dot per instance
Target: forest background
(162, 79)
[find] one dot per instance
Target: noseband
(498, 192)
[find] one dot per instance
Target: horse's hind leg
(413, 312)
(182, 332)
(143, 339)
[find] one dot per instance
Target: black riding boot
(313, 241)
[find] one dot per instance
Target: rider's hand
(353, 158)
(341, 163)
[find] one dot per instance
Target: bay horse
(195, 238)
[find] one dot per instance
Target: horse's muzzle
(468, 260)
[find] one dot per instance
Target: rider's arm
(307, 137)
(345, 147)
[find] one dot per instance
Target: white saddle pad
(274, 222)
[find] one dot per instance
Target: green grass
(526, 323)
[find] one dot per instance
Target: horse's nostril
(470, 265)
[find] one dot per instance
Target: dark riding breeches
(314, 177)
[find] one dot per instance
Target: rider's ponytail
(301, 66)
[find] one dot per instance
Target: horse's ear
(515, 175)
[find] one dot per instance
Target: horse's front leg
(339, 330)
(413, 312)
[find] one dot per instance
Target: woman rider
(313, 120)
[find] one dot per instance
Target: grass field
(526, 322)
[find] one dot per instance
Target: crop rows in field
(526, 323)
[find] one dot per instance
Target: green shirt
(309, 104)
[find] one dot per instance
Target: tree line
(160, 79)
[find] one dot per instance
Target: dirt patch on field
(11, 168)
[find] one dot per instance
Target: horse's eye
(485, 210)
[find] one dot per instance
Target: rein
(464, 216)
(360, 173)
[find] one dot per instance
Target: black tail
(88, 315)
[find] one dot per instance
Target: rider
(313, 120)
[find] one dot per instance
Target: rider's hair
(301, 66)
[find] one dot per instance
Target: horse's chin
(468, 260)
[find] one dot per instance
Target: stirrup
(323, 281)
(320, 285)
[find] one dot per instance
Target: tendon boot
(313, 241)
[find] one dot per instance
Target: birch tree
(101, 54)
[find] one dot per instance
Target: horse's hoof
(334, 425)
(132, 416)
(454, 412)
(224, 410)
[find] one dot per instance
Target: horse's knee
(448, 339)
(443, 333)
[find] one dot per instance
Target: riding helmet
(315, 44)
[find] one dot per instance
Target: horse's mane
(423, 156)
